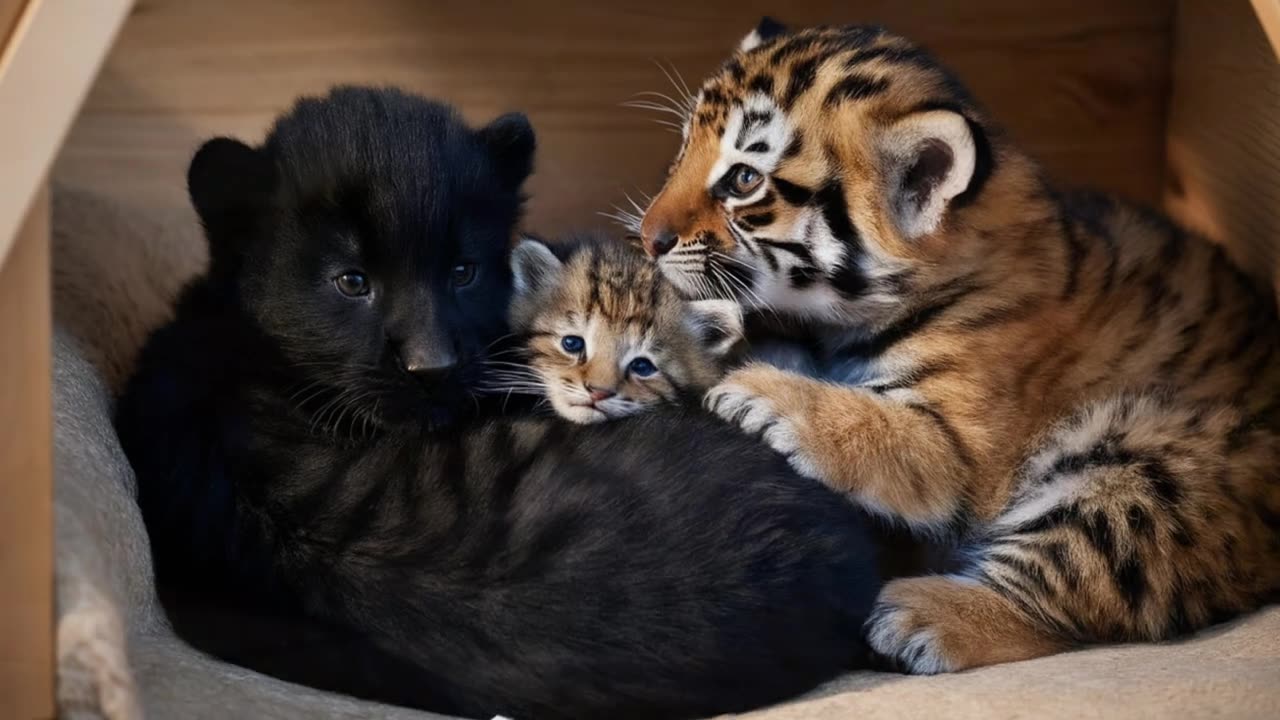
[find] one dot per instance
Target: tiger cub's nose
(660, 242)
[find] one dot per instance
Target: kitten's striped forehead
(616, 284)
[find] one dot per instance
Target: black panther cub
(305, 435)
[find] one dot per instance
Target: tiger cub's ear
(767, 30)
(929, 158)
(716, 323)
(533, 268)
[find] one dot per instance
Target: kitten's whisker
(511, 371)
(507, 373)
(506, 362)
(504, 338)
(521, 385)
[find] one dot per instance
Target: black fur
(391, 541)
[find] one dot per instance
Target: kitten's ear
(533, 268)
(929, 158)
(229, 183)
(511, 143)
(716, 323)
(767, 30)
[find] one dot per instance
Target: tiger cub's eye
(742, 180)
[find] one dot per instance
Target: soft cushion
(116, 270)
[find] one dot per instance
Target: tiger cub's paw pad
(741, 406)
(897, 631)
(757, 416)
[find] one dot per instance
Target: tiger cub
(1082, 398)
(607, 336)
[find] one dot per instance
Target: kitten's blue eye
(642, 367)
(572, 343)
(352, 283)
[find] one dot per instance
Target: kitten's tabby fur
(1083, 396)
(612, 301)
(301, 441)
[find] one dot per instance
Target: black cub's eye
(352, 283)
(742, 180)
(462, 274)
(642, 367)
(572, 343)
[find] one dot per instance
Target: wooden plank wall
(1224, 131)
(1083, 83)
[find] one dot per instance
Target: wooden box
(1175, 103)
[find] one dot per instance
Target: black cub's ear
(767, 30)
(229, 183)
(511, 143)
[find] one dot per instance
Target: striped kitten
(608, 336)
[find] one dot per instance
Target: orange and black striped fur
(1080, 396)
(607, 336)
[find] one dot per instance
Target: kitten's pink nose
(597, 394)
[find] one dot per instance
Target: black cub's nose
(660, 243)
(427, 362)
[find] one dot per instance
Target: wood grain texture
(1224, 131)
(1082, 83)
(26, 474)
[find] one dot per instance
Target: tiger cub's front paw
(756, 400)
